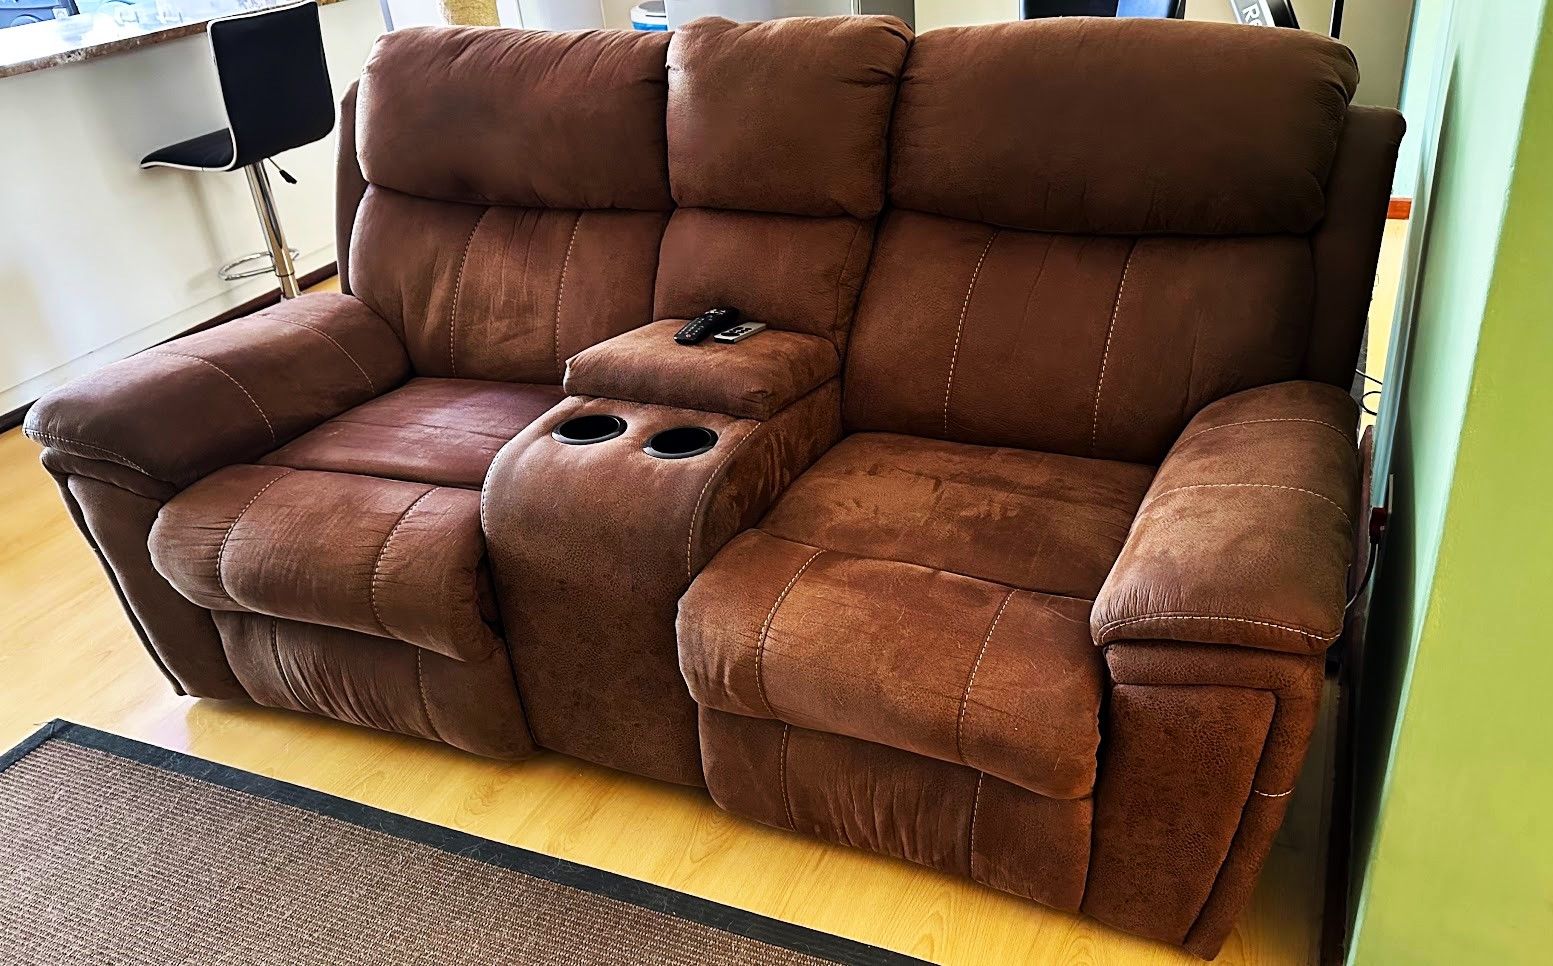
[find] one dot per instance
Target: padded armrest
(1246, 535)
(230, 394)
(753, 379)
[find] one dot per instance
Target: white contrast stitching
(221, 551)
(1272, 795)
(1252, 486)
(965, 699)
(1252, 422)
(965, 305)
(377, 561)
(458, 288)
(970, 857)
(787, 804)
(765, 632)
(420, 683)
(1175, 616)
(695, 513)
(320, 332)
(555, 341)
(1105, 356)
(240, 388)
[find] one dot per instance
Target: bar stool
(276, 92)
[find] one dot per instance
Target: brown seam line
(970, 847)
(555, 340)
(281, 668)
(240, 387)
(787, 805)
(812, 545)
(695, 513)
(371, 387)
(765, 632)
(965, 305)
(965, 698)
(1249, 486)
(221, 551)
(39, 435)
(1105, 356)
(458, 288)
(377, 561)
(846, 260)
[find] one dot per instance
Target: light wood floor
(67, 652)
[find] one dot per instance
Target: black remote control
(707, 323)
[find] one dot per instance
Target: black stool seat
(207, 152)
(274, 86)
(276, 94)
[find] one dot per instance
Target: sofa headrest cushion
(1120, 126)
(517, 117)
(784, 116)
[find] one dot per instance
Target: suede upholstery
(590, 629)
(1246, 535)
(781, 236)
(1028, 520)
(1011, 125)
(751, 381)
(1081, 398)
(441, 431)
(288, 504)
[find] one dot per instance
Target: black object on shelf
(1267, 13)
(1040, 9)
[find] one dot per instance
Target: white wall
(99, 259)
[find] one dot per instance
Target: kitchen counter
(113, 28)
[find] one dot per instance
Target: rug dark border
(645, 895)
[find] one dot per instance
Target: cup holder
(680, 443)
(582, 430)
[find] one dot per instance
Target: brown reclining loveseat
(1012, 547)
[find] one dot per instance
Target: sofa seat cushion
(391, 558)
(440, 431)
(947, 666)
(1035, 521)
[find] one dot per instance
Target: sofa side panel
(179, 636)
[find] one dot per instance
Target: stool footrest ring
(249, 266)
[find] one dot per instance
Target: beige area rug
(117, 852)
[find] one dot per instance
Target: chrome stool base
(280, 258)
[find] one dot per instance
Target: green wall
(1454, 835)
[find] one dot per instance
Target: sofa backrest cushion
(786, 116)
(1121, 127)
(1101, 226)
(516, 194)
(777, 146)
(528, 118)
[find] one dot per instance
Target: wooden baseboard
(15, 417)
(1400, 209)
